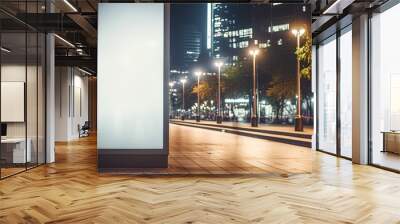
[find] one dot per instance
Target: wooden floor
(71, 191)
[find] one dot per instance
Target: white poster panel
(130, 75)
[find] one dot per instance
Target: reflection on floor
(11, 169)
(5, 172)
(387, 159)
(72, 191)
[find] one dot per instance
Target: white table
(19, 153)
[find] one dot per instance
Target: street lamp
(298, 118)
(198, 74)
(183, 98)
(219, 116)
(171, 84)
(254, 117)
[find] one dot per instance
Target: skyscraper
(188, 36)
(231, 30)
(191, 45)
(234, 28)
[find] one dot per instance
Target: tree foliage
(207, 89)
(279, 91)
(304, 55)
(233, 79)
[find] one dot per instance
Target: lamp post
(254, 116)
(198, 74)
(171, 84)
(183, 99)
(298, 118)
(219, 115)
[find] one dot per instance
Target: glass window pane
(327, 96)
(385, 84)
(31, 97)
(346, 94)
(13, 86)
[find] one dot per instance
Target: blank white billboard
(130, 75)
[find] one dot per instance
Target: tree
(280, 90)
(207, 89)
(204, 90)
(235, 79)
(304, 54)
(234, 84)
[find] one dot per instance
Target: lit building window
(278, 28)
(262, 45)
(280, 41)
(243, 44)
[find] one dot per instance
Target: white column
(50, 99)
(360, 90)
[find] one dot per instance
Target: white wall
(71, 92)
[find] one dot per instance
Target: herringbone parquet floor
(71, 191)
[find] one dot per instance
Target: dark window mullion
(37, 89)
(26, 86)
(338, 77)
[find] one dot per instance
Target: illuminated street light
(219, 116)
(254, 117)
(183, 98)
(298, 118)
(198, 74)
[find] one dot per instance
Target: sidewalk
(308, 130)
(278, 133)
